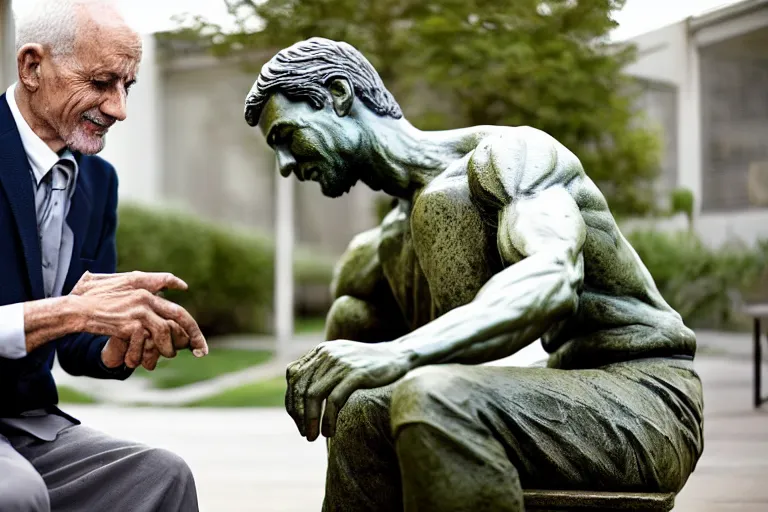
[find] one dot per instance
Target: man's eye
(100, 84)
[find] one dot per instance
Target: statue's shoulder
(519, 161)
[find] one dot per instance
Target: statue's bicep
(548, 221)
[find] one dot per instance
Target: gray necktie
(50, 218)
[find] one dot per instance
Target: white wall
(669, 55)
(7, 53)
(662, 54)
(133, 146)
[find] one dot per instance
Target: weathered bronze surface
(498, 239)
(562, 501)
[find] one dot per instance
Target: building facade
(707, 79)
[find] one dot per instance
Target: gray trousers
(86, 470)
(470, 438)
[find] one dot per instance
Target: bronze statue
(498, 239)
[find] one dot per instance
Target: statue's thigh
(590, 429)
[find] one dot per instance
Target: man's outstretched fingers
(150, 356)
(136, 348)
(159, 332)
(155, 281)
(171, 311)
(179, 336)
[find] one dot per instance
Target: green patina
(498, 238)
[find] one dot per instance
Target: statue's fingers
(298, 385)
(289, 392)
(324, 381)
(336, 401)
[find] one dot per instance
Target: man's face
(316, 145)
(83, 94)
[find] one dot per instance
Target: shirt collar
(41, 157)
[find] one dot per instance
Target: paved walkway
(254, 460)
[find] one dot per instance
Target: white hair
(51, 23)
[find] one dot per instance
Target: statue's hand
(331, 372)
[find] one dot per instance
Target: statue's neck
(408, 159)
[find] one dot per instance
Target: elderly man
(498, 239)
(77, 60)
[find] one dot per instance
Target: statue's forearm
(514, 308)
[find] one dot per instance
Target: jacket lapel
(78, 219)
(16, 180)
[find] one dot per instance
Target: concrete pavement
(253, 459)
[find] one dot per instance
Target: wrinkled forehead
(108, 43)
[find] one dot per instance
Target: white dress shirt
(41, 159)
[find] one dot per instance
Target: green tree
(451, 63)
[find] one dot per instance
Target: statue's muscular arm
(541, 233)
(364, 308)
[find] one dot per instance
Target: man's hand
(116, 351)
(125, 307)
(331, 372)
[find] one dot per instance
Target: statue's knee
(347, 319)
(425, 394)
(365, 414)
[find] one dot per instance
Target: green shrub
(682, 202)
(698, 282)
(229, 272)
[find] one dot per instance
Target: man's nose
(115, 105)
(286, 164)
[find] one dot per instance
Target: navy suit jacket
(27, 383)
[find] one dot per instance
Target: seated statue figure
(498, 238)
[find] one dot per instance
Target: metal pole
(284, 241)
(758, 356)
(7, 46)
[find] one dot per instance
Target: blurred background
(664, 102)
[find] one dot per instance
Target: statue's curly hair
(303, 70)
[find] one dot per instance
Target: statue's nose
(286, 164)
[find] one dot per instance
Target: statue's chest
(437, 252)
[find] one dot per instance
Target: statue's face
(317, 145)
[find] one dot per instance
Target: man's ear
(342, 96)
(28, 61)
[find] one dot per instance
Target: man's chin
(87, 145)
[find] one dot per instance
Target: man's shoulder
(97, 170)
(520, 160)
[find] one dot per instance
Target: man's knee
(23, 490)
(170, 467)
(430, 394)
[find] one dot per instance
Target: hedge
(702, 284)
(229, 272)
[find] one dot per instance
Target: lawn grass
(186, 369)
(71, 396)
(266, 393)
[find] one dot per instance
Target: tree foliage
(452, 63)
